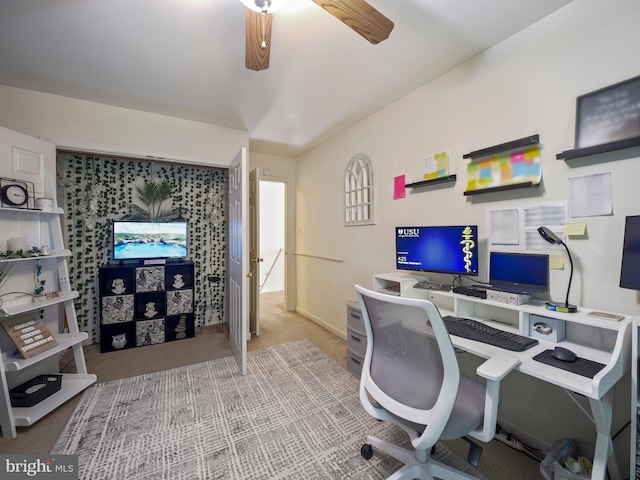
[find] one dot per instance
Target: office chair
(410, 377)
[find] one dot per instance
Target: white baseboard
(322, 323)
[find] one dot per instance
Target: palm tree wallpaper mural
(94, 190)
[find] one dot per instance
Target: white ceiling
(185, 58)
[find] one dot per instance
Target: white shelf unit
(635, 404)
(41, 228)
(598, 339)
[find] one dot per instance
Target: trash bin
(553, 466)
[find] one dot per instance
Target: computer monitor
(630, 268)
(438, 249)
(527, 273)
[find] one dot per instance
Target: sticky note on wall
(556, 261)
(575, 229)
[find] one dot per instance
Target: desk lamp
(551, 237)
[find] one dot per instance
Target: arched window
(358, 191)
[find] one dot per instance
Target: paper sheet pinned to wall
(551, 215)
(504, 227)
(591, 196)
(436, 166)
(399, 189)
(517, 228)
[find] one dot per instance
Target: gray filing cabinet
(356, 338)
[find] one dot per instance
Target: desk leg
(604, 456)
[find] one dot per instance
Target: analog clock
(14, 195)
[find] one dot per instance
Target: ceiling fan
(356, 14)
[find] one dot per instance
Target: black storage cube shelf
(145, 304)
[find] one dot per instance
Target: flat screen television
(630, 269)
(438, 249)
(140, 240)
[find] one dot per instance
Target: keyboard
(478, 331)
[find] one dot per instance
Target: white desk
(613, 349)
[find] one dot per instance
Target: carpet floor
(296, 414)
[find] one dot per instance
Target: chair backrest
(410, 367)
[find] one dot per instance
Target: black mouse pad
(581, 366)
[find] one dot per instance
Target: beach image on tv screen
(132, 240)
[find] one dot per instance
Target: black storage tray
(20, 397)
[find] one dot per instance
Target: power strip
(510, 440)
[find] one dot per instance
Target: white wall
(70, 122)
(528, 84)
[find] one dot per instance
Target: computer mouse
(564, 354)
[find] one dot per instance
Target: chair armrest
(498, 366)
(493, 370)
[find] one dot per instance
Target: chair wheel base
(366, 451)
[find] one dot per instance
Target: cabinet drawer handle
(353, 315)
(356, 339)
(355, 360)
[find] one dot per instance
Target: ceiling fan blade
(256, 52)
(359, 16)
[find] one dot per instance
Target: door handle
(256, 260)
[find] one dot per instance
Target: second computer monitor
(527, 271)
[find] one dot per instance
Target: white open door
(239, 258)
(254, 252)
(26, 158)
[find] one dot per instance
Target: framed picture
(608, 115)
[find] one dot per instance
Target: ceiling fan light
(258, 5)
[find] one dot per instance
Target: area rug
(296, 414)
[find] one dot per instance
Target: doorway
(272, 243)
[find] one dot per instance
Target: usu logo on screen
(408, 232)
